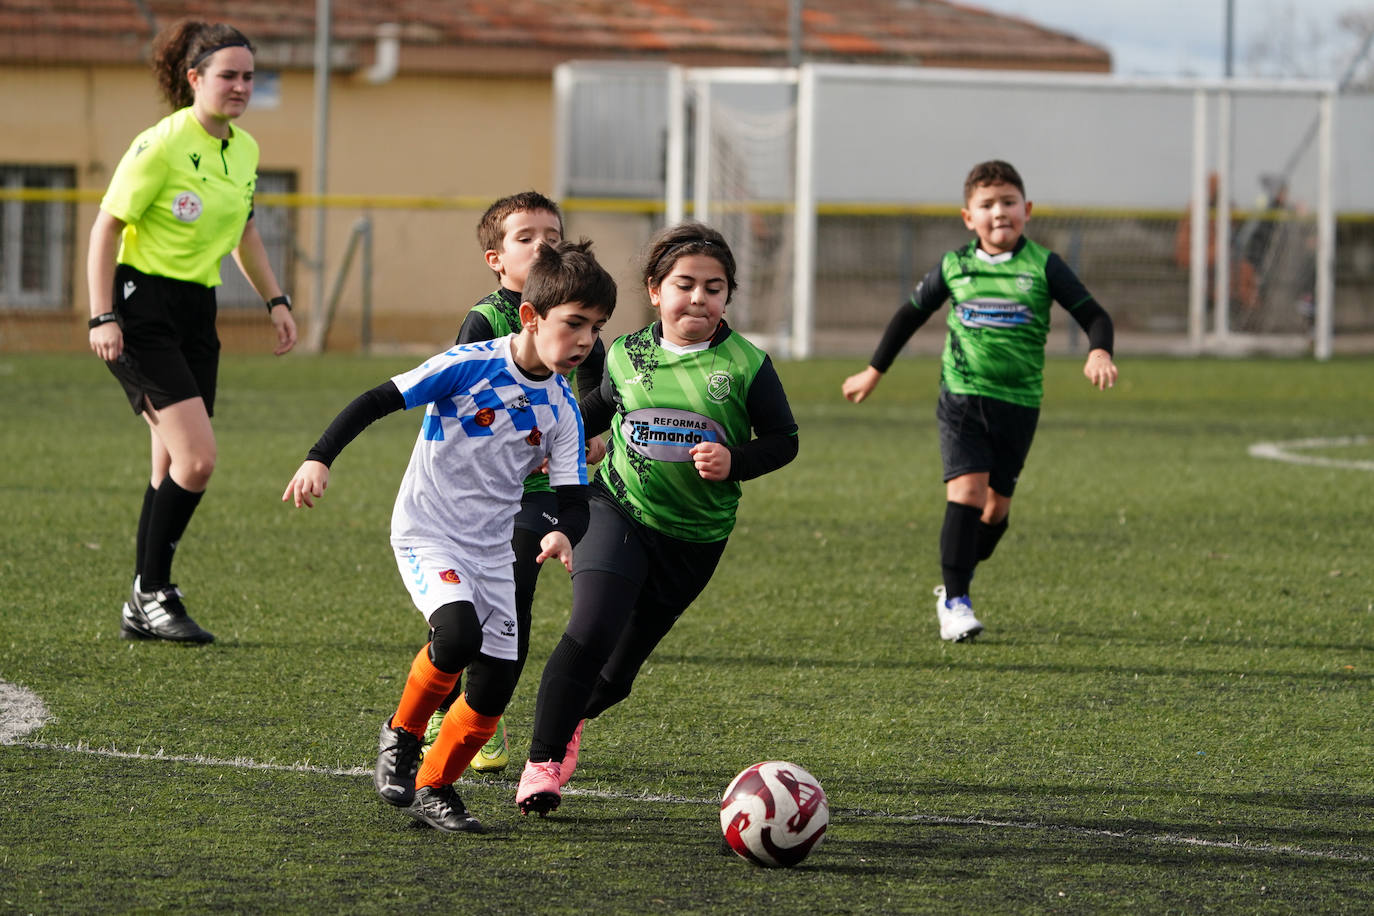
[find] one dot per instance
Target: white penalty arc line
(1291, 452)
(1164, 839)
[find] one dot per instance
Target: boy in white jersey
(510, 233)
(1002, 285)
(497, 410)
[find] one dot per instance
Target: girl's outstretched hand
(308, 485)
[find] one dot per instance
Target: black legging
(610, 635)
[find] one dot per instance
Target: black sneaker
(443, 809)
(159, 615)
(398, 760)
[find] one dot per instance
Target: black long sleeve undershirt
(365, 409)
(573, 514)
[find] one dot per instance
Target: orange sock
(426, 688)
(460, 738)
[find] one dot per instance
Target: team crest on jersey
(718, 385)
(535, 436)
(186, 207)
(485, 417)
(1024, 282)
(450, 576)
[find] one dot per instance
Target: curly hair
(185, 46)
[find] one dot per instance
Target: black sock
(988, 536)
(604, 696)
(142, 537)
(959, 546)
(172, 511)
(563, 691)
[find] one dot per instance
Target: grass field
(1169, 712)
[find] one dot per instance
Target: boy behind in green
(991, 377)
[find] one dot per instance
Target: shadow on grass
(980, 663)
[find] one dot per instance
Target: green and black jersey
(999, 320)
(184, 197)
(665, 401)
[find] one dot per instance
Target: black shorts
(984, 434)
(171, 348)
(670, 573)
(538, 510)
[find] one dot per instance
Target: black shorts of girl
(171, 348)
(664, 574)
(980, 434)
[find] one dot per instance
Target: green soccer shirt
(999, 322)
(667, 402)
(184, 197)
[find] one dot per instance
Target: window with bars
(37, 213)
(277, 226)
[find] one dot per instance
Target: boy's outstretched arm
(1100, 370)
(312, 478)
(930, 294)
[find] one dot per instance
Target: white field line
(1291, 452)
(1160, 839)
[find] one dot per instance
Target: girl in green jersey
(693, 409)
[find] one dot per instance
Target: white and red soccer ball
(774, 814)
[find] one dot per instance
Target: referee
(179, 201)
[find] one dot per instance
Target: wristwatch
(279, 300)
(103, 318)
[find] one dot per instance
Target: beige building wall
(420, 156)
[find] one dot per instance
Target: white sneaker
(957, 622)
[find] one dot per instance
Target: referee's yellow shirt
(184, 197)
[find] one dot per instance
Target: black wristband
(98, 320)
(279, 300)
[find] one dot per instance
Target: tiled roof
(531, 36)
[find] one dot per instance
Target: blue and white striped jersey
(487, 426)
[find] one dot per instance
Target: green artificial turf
(1168, 712)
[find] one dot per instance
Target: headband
(672, 254)
(200, 58)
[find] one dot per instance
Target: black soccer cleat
(398, 760)
(441, 808)
(159, 614)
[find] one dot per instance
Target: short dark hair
(491, 228)
(568, 272)
(684, 239)
(994, 171)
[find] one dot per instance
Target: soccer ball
(774, 814)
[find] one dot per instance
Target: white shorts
(436, 577)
